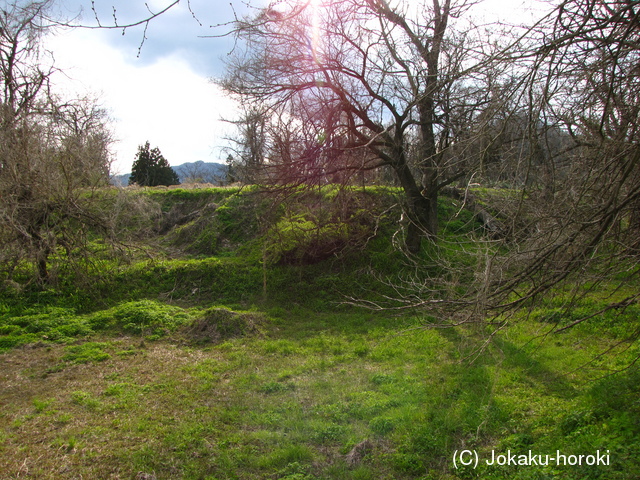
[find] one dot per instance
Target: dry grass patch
(89, 418)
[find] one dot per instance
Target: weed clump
(219, 324)
(143, 317)
(86, 353)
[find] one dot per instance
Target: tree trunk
(421, 211)
(422, 223)
(43, 273)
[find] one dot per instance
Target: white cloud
(165, 102)
(164, 96)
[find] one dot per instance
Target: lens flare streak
(315, 6)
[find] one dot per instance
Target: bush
(302, 239)
(319, 225)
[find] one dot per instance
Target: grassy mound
(142, 317)
(147, 318)
(219, 324)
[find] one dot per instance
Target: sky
(161, 91)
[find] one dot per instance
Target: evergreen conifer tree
(150, 168)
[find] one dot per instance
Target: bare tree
(246, 155)
(585, 80)
(361, 76)
(52, 153)
(24, 74)
(566, 139)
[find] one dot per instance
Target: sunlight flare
(315, 6)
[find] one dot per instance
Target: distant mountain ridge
(190, 172)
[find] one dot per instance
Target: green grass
(148, 318)
(179, 367)
(295, 400)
